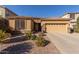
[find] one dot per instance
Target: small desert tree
(77, 25)
(3, 24)
(3, 28)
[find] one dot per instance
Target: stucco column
(43, 27)
(12, 24)
(28, 25)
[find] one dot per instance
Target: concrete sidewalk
(66, 43)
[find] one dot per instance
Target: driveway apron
(65, 42)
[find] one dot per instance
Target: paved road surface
(65, 42)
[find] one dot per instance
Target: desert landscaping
(24, 46)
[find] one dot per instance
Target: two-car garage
(56, 25)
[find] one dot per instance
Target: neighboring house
(73, 17)
(5, 12)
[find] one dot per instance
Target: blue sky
(43, 10)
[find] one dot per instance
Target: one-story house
(24, 23)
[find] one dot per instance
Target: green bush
(77, 30)
(3, 24)
(3, 35)
(28, 35)
(33, 37)
(76, 27)
(41, 42)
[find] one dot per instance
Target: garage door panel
(56, 28)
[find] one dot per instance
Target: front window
(72, 16)
(19, 24)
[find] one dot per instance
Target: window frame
(19, 24)
(72, 16)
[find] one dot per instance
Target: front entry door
(37, 27)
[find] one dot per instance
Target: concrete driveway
(65, 42)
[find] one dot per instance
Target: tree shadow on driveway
(18, 49)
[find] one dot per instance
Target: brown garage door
(56, 27)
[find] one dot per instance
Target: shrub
(76, 27)
(33, 37)
(3, 35)
(46, 42)
(28, 35)
(41, 42)
(3, 24)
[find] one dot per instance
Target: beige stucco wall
(25, 24)
(12, 24)
(72, 21)
(66, 16)
(2, 12)
(37, 20)
(28, 25)
(76, 16)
